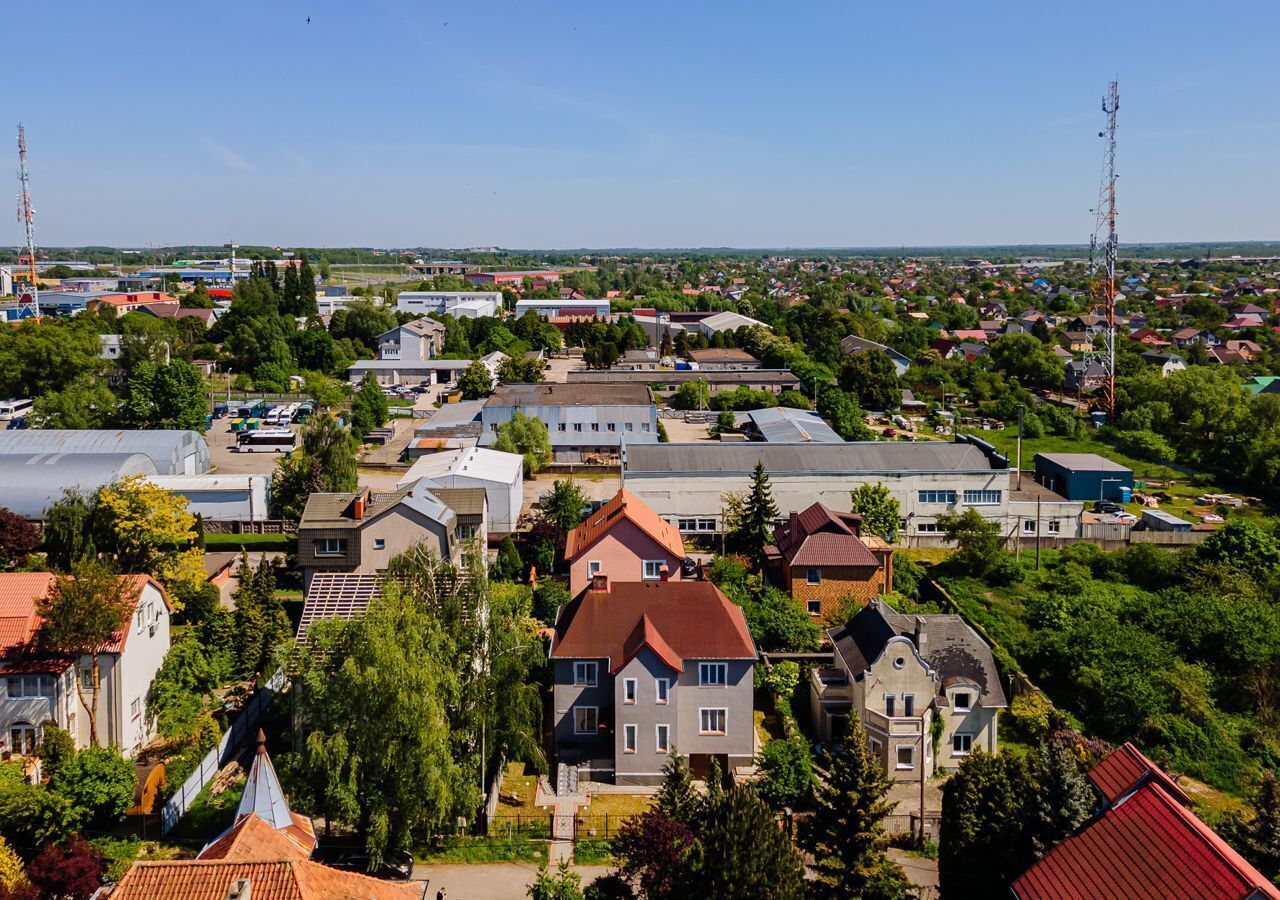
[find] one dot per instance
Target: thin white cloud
(231, 158)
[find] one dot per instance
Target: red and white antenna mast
(29, 289)
(1105, 224)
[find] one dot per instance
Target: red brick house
(821, 557)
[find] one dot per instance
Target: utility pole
(923, 737)
(1105, 224)
(1021, 409)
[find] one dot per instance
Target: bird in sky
(308, 20)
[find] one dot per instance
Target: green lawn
(593, 853)
(481, 850)
(247, 541)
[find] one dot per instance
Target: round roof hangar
(32, 482)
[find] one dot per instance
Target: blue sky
(654, 124)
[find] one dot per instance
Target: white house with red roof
(642, 669)
(39, 687)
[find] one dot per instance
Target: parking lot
(227, 461)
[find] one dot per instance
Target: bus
(250, 409)
(13, 409)
(304, 411)
(267, 440)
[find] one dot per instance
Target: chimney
(358, 505)
(664, 572)
(922, 636)
(239, 890)
(600, 582)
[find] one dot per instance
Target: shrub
(98, 782)
(1030, 714)
(786, 771)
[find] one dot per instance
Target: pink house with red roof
(1146, 844)
(642, 669)
(626, 541)
(40, 687)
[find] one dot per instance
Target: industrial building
(551, 308)
(784, 425)
(583, 421)
(459, 304)
(1084, 476)
(171, 452)
(500, 474)
(32, 482)
(221, 498)
(666, 382)
(685, 483)
(515, 279)
(401, 371)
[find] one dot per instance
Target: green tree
(562, 884)
(508, 566)
(845, 416)
(260, 622)
(759, 515)
(521, 371)
(846, 835)
(984, 817)
(872, 378)
(527, 436)
(980, 545)
(57, 747)
(181, 689)
(677, 799)
(297, 476)
(334, 449)
(1244, 546)
(369, 407)
(84, 402)
(786, 770)
(31, 815)
(564, 505)
(1027, 358)
(879, 510)
(81, 614)
(1257, 837)
(742, 854)
(692, 395)
(170, 396)
(68, 531)
(99, 784)
(475, 382)
(1063, 799)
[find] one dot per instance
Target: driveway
(500, 881)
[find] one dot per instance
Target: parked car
(1106, 506)
(688, 567)
(397, 865)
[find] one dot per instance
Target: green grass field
(224, 542)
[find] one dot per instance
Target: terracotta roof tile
(19, 621)
(819, 536)
(1125, 769)
(692, 618)
(624, 505)
(268, 880)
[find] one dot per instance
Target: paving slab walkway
(500, 881)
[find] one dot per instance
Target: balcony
(903, 726)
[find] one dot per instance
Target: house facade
(583, 421)
(635, 683)
(894, 675)
(415, 341)
(623, 540)
(362, 532)
(40, 687)
(821, 557)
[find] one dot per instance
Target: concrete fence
(233, 741)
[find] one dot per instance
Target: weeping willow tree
(407, 706)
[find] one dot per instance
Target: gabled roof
(1149, 847)
(691, 618)
(1125, 770)
(338, 510)
(820, 536)
(268, 880)
(20, 623)
(951, 647)
(624, 506)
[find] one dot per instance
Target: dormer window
(962, 701)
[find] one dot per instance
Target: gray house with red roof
(642, 669)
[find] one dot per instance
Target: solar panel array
(338, 595)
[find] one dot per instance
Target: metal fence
(588, 828)
(530, 825)
(228, 748)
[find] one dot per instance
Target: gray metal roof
(1084, 462)
(782, 377)
(377, 364)
(32, 482)
(551, 394)
(782, 424)
(890, 457)
(169, 450)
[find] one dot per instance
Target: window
(466, 532)
(815, 607)
(687, 524)
(662, 738)
(644, 426)
(908, 704)
(630, 426)
(577, 426)
(379, 543)
(889, 706)
(585, 719)
(928, 528)
(961, 744)
(584, 674)
(135, 709)
(330, 546)
(714, 674)
(937, 496)
(561, 426)
(86, 676)
(813, 576)
(141, 618)
(628, 690)
(906, 756)
(1028, 526)
(612, 427)
(653, 569)
(982, 498)
(32, 686)
(661, 687)
(712, 721)
(706, 524)
(1055, 527)
(963, 701)
(875, 746)
(899, 662)
(628, 738)
(594, 567)
(595, 426)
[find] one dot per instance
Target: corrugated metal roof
(166, 448)
(32, 482)
(1084, 462)
(782, 424)
(474, 462)
(550, 394)
(895, 458)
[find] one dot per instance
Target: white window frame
(813, 576)
(706, 524)
(590, 670)
(982, 498)
(594, 567)
(937, 497)
(961, 738)
(1054, 527)
(379, 543)
(135, 709)
(897, 756)
(630, 688)
(1028, 526)
(706, 667)
(595, 713)
(324, 546)
(968, 695)
(657, 565)
(662, 690)
(704, 721)
(662, 738)
(928, 528)
(630, 739)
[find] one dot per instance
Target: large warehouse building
(685, 483)
(172, 452)
(32, 482)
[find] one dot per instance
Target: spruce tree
(759, 513)
(1258, 836)
(1063, 800)
(846, 835)
(306, 304)
(289, 294)
(985, 807)
(742, 854)
(676, 798)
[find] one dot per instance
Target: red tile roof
(1149, 847)
(268, 880)
(820, 536)
(1125, 769)
(624, 505)
(678, 620)
(19, 620)
(254, 838)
